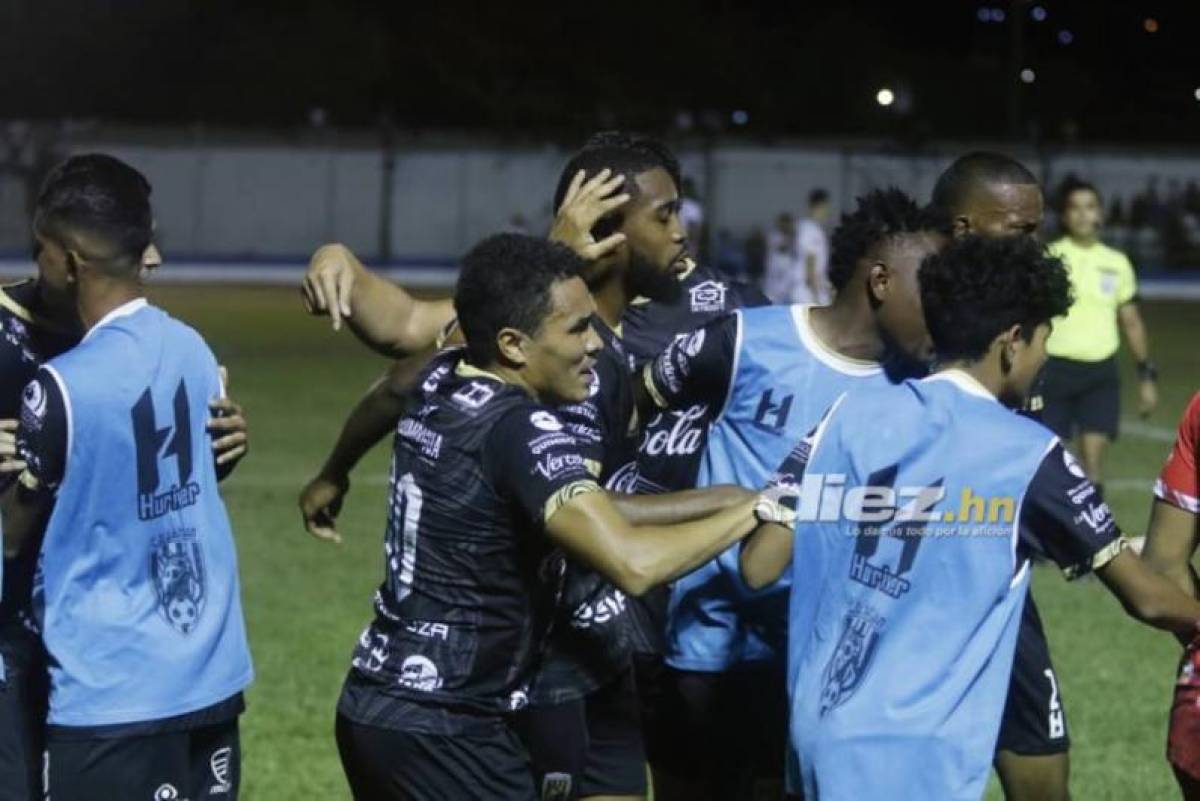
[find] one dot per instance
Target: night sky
(537, 70)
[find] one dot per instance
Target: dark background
(538, 69)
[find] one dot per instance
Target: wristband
(1147, 371)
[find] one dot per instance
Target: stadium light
(1028, 75)
(1065, 37)
(740, 117)
(1196, 94)
(885, 97)
(1038, 13)
(1151, 25)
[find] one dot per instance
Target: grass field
(306, 601)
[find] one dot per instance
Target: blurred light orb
(1196, 94)
(1151, 25)
(1065, 37)
(885, 97)
(998, 15)
(1028, 75)
(1038, 13)
(740, 117)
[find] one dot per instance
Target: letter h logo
(771, 415)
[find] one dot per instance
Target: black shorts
(1081, 397)
(202, 764)
(727, 731)
(591, 746)
(23, 695)
(1035, 721)
(390, 765)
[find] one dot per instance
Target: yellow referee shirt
(1103, 280)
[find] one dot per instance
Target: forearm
(1135, 335)
(658, 554)
(372, 418)
(24, 513)
(678, 507)
(1149, 597)
(765, 555)
(381, 315)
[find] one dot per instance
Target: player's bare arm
(1170, 542)
(765, 555)
(371, 420)
(381, 314)
(678, 507)
(24, 507)
(1134, 331)
(637, 558)
(229, 430)
(1149, 597)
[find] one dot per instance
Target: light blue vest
(137, 583)
(784, 379)
(902, 631)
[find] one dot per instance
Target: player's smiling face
(997, 210)
(560, 356)
(655, 239)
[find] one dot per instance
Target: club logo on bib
(708, 296)
(1072, 465)
(419, 673)
(851, 658)
(166, 792)
(219, 763)
(545, 421)
(177, 569)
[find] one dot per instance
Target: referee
(1081, 389)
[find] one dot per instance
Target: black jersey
(478, 467)
(590, 642)
(672, 441)
(26, 341)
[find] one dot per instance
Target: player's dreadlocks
(881, 214)
(624, 153)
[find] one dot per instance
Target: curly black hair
(978, 287)
(103, 198)
(626, 153)
(971, 171)
(505, 283)
(881, 214)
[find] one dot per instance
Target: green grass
(306, 601)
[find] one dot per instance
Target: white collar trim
(964, 381)
(826, 354)
(124, 310)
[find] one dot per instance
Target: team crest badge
(708, 296)
(177, 568)
(852, 657)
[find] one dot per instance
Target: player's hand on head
(9, 463)
(328, 283)
(585, 204)
(320, 502)
(1147, 397)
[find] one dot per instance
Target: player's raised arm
(678, 507)
(381, 314)
(1174, 530)
(372, 418)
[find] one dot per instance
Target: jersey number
(402, 544)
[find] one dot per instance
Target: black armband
(1147, 371)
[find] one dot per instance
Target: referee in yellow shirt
(1081, 389)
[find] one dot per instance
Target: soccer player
(992, 195)
(486, 482)
(911, 551)
(1081, 388)
(812, 245)
(764, 376)
(1170, 544)
(137, 592)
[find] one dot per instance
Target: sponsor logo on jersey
(429, 629)
(166, 792)
(682, 437)
(1081, 492)
(427, 441)
(545, 442)
(545, 421)
(1072, 464)
(435, 377)
(624, 479)
(474, 395)
(219, 763)
(177, 570)
(553, 465)
(419, 673)
(693, 343)
(600, 611)
(1097, 516)
(708, 296)
(851, 658)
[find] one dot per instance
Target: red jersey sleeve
(1179, 482)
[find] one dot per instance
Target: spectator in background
(1081, 389)
(812, 249)
(784, 272)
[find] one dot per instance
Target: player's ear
(151, 258)
(879, 282)
(1011, 343)
(960, 226)
(74, 265)
(511, 344)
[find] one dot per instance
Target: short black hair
(818, 196)
(626, 153)
(978, 287)
(505, 283)
(103, 198)
(880, 215)
(1072, 185)
(973, 170)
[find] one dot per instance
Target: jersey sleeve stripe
(1176, 498)
(567, 494)
(1099, 559)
